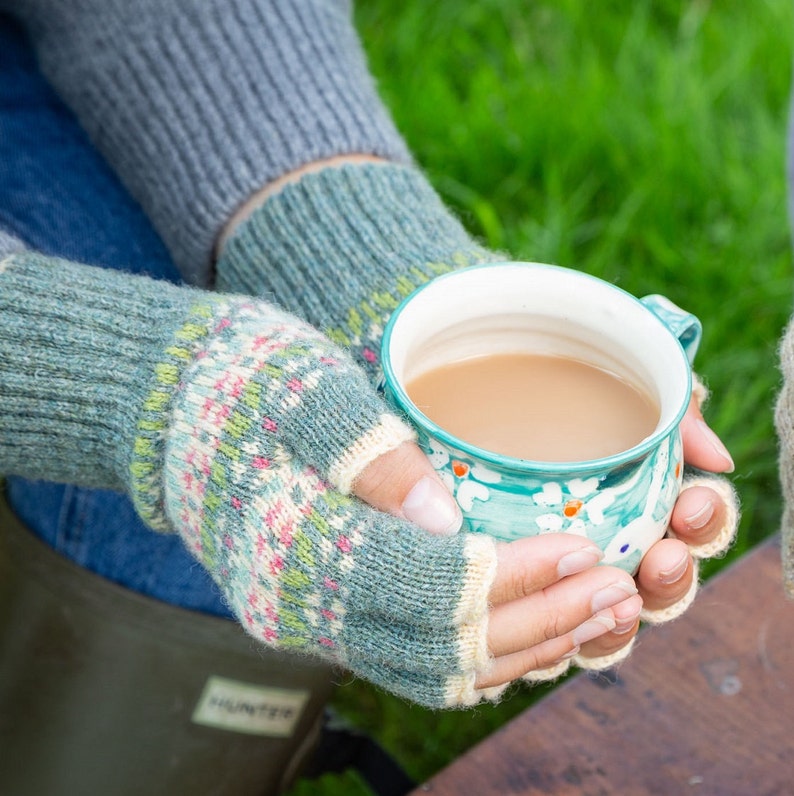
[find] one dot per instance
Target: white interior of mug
(539, 309)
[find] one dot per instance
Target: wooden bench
(704, 706)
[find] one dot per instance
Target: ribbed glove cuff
(79, 348)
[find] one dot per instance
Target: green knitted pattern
(146, 467)
(234, 404)
(362, 326)
(320, 402)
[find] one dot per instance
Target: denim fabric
(59, 196)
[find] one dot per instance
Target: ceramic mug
(622, 502)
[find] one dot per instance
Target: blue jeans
(60, 197)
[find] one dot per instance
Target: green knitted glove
(241, 428)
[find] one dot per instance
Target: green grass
(644, 143)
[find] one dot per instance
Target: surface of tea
(532, 406)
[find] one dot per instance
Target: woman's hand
(549, 601)
(410, 238)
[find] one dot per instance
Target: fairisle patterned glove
(242, 429)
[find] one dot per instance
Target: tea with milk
(536, 406)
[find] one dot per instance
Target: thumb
(702, 447)
(403, 483)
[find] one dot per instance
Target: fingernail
(716, 445)
(430, 505)
(674, 574)
(700, 517)
(626, 624)
(569, 654)
(612, 595)
(579, 560)
(592, 628)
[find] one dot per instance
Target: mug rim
(422, 421)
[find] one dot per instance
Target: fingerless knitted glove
(242, 429)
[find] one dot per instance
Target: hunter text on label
(248, 708)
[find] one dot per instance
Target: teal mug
(622, 501)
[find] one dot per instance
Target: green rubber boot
(105, 692)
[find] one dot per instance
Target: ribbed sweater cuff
(80, 349)
(197, 105)
(343, 246)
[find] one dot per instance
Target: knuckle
(553, 625)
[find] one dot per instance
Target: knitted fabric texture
(251, 357)
(240, 427)
(342, 247)
(197, 105)
(784, 423)
(78, 349)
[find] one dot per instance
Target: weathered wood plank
(704, 706)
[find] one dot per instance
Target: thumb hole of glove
(402, 482)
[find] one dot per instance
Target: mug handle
(685, 326)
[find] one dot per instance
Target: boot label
(249, 708)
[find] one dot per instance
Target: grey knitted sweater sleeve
(199, 103)
(784, 407)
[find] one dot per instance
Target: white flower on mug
(555, 523)
(579, 499)
(466, 481)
